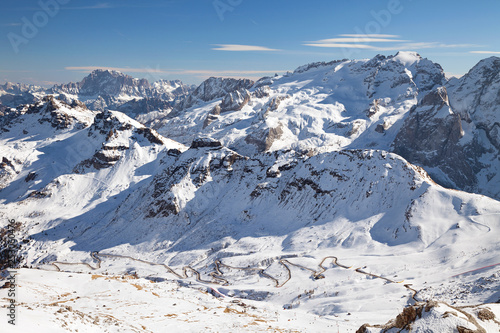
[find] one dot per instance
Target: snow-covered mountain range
(383, 163)
(398, 103)
(104, 89)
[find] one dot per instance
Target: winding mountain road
(217, 274)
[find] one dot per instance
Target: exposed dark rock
(100, 90)
(235, 100)
(264, 139)
(430, 137)
(262, 92)
(380, 128)
(10, 256)
(485, 314)
(31, 176)
(151, 135)
(273, 105)
(205, 143)
(211, 89)
(212, 116)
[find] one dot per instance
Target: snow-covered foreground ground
(110, 299)
(62, 302)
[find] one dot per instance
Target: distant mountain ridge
(104, 89)
(107, 89)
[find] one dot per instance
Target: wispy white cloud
(369, 36)
(240, 48)
(355, 41)
(423, 45)
(358, 40)
(485, 52)
(338, 45)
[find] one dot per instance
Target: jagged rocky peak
(108, 89)
(476, 95)
(425, 74)
(58, 114)
(315, 65)
(117, 132)
(235, 100)
(486, 69)
(212, 88)
(438, 97)
(216, 87)
(164, 86)
(111, 83)
(15, 94)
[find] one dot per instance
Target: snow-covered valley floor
(124, 295)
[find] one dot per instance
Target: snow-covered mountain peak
(407, 57)
(486, 67)
(57, 113)
(476, 95)
(112, 83)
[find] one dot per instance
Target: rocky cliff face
(430, 136)
(105, 82)
(212, 88)
(476, 97)
(454, 131)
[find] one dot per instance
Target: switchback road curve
(218, 276)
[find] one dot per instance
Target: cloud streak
(241, 48)
(423, 45)
(369, 36)
(338, 45)
(359, 41)
(485, 52)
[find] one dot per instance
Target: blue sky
(193, 39)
